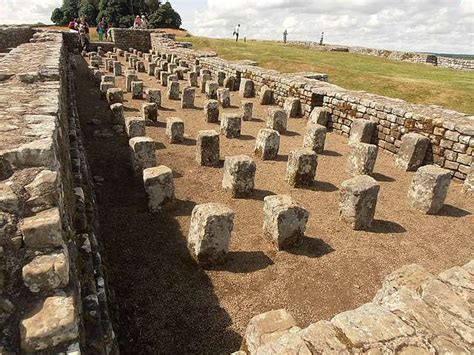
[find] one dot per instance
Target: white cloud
(27, 11)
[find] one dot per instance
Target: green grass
(416, 83)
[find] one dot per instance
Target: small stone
(143, 153)
(203, 80)
(43, 191)
(231, 125)
(104, 88)
(267, 144)
(362, 131)
(108, 79)
(43, 230)
(187, 101)
(211, 111)
(320, 115)
(164, 78)
(292, 106)
(223, 96)
(175, 129)
(173, 90)
(46, 272)
(362, 159)
(266, 95)
(230, 83)
(137, 90)
(135, 127)
(114, 95)
(8, 199)
(247, 110)
(117, 68)
(301, 168)
(239, 175)
(277, 119)
(207, 148)
(117, 113)
(154, 96)
(159, 187)
(129, 78)
(315, 138)
(193, 79)
(150, 112)
(412, 151)
(247, 88)
(211, 89)
(220, 78)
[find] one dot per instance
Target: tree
(89, 11)
(165, 17)
(57, 17)
(70, 9)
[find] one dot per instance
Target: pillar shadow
(291, 134)
(189, 141)
(382, 177)
(246, 137)
(257, 120)
(381, 226)
(282, 157)
(259, 194)
(453, 211)
(320, 186)
(311, 247)
(244, 262)
(331, 153)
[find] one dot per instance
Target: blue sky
(417, 25)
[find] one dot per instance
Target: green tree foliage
(57, 17)
(70, 9)
(165, 17)
(89, 11)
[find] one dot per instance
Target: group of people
(82, 27)
(140, 22)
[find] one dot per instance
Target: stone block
(187, 100)
(412, 151)
(173, 90)
(175, 130)
(231, 125)
(207, 148)
(109, 65)
(203, 79)
(246, 108)
(362, 131)
(292, 106)
(117, 67)
(210, 231)
(211, 89)
(137, 90)
(135, 127)
(220, 78)
(267, 144)
(193, 79)
(361, 160)
(315, 137)
(8, 199)
(151, 69)
(230, 83)
(239, 175)
(357, 201)
(104, 87)
(266, 95)
(429, 188)
(301, 167)
(211, 111)
(164, 78)
(173, 77)
(150, 112)
(247, 88)
(114, 96)
(157, 73)
(159, 187)
(43, 191)
(277, 119)
(468, 186)
(223, 96)
(142, 151)
(129, 78)
(323, 338)
(46, 272)
(153, 96)
(140, 66)
(43, 230)
(117, 113)
(50, 323)
(284, 221)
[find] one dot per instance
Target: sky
(445, 26)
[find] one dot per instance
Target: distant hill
(457, 56)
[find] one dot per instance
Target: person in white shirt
(237, 32)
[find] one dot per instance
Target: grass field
(416, 83)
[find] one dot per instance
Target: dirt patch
(167, 304)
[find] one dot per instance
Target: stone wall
(52, 295)
(131, 38)
(451, 133)
(13, 36)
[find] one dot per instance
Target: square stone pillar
(223, 96)
(129, 78)
(114, 96)
(315, 137)
(361, 160)
(159, 187)
(135, 127)
(362, 131)
(231, 125)
(277, 119)
(117, 114)
(137, 90)
(143, 153)
(301, 168)
(150, 112)
(246, 108)
(211, 111)
(267, 144)
(207, 148)
(211, 89)
(187, 100)
(266, 95)
(239, 175)
(173, 90)
(153, 96)
(175, 129)
(412, 151)
(247, 88)
(292, 107)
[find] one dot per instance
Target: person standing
(144, 22)
(237, 32)
(138, 22)
(101, 30)
(322, 39)
(285, 36)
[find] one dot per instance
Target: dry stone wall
(451, 133)
(13, 36)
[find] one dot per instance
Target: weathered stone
(412, 151)
(159, 187)
(140, 66)
(43, 191)
(315, 138)
(108, 79)
(209, 232)
(362, 131)
(284, 221)
(114, 96)
(323, 338)
(292, 106)
(223, 96)
(175, 129)
(151, 69)
(266, 95)
(211, 111)
(137, 90)
(8, 199)
(266, 328)
(211, 89)
(143, 153)
(468, 186)
(220, 78)
(320, 115)
(207, 148)
(43, 230)
(361, 160)
(135, 127)
(231, 125)
(193, 79)
(157, 73)
(290, 343)
(204, 78)
(187, 100)
(117, 68)
(230, 83)
(173, 90)
(247, 110)
(129, 78)
(358, 199)
(150, 112)
(301, 168)
(164, 78)
(267, 144)
(239, 175)
(109, 65)
(429, 188)
(277, 119)
(247, 88)
(154, 96)
(50, 323)
(117, 113)
(46, 272)
(104, 87)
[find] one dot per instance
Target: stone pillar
(187, 100)
(154, 96)
(135, 127)
(468, 186)
(277, 120)
(220, 78)
(429, 188)
(362, 159)
(151, 69)
(362, 131)
(129, 79)
(207, 148)
(164, 78)
(211, 89)
(117, 68)
(173, 77)
(292, 107)
(108, 79)
(150, 112)
(109, 65)
(247, 88)
(114, 96)
(412, 151)
(223, 96)
(175, 129)
(140, 66)
(231, 125)
(137, 90)
(301, 168)
(173, 90)
(209, 232)
(284, 221)
(315, 137)
(247, 110)
(211, 111)
(104, 87)
(239, 175)
(266, 95)
(267, 144)
(320, 115)
(143, 153)
(358, 199)
(157, 73)
(117, 113)
(159, 187)
(193, 79)
(229, 83)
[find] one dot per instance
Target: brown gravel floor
(168, 305)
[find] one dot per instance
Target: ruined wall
(131, 38)
(451, 133)
(13, 36)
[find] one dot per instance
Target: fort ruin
(135, 219)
